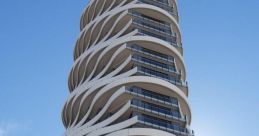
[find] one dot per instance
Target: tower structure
(128, 76)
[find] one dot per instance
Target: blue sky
(221, 45)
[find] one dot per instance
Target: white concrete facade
(128, 76)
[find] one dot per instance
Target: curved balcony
(161, 4)
(170, 39)
(157, 110)
(151, 22)
(151, 53)
(164, 125)
(154, 64)
(156, 97)
(152, 73)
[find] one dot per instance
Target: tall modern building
(128, 77)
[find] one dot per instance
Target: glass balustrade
(151, 19)
(149, 72)
(155, 28)
(161, 4)
(159, 110)
(153, 63)
(151, 53)
(170, 40)
(162, 124)
(144, 22)
(152, 95)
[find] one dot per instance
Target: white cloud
(6, 128)
(2, 132)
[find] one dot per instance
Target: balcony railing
(170, 40)
(152, 73)
(151, 24)
(156, 123)
(162, 5)
(151, 53)
(157, 110)
(152, 96)
(154, 28)
(154, 64)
